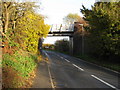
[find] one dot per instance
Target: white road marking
(67, 60)
(103, 81)
(78, 67)
(51, 78)
(46, 54)
(63, 58)
(52, 85)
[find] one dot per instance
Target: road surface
(69, 72)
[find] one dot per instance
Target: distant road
(70, 72)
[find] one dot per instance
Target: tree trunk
(6, 19)
(40, 41)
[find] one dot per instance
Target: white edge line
(78, 67)
(103, 81)
(50, 74)
(50, 78)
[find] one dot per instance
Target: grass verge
(19, 69)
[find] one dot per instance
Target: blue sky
(56, 10)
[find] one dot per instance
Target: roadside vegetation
(103, 38)
(104, 30)
(21, 30)
(18, 69)
(62, 46)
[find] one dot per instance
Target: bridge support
(71, 45)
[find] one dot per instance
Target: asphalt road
(69, 72)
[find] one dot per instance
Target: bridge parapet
(61, 30)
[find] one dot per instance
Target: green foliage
(62, 45)
(12, 43)
(104, 28)
(22, 64)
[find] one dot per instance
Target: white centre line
(67, 60)
(78, 67)
(103, 81)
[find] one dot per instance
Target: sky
(56, 10)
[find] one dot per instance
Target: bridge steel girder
(61, 33)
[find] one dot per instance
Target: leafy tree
(32, 28)
(71, 18)
(22, 26)
(104, 28)
(12, 11)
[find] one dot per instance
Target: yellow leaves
(30, 16)
(33, 27)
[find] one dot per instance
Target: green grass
(23, 64)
